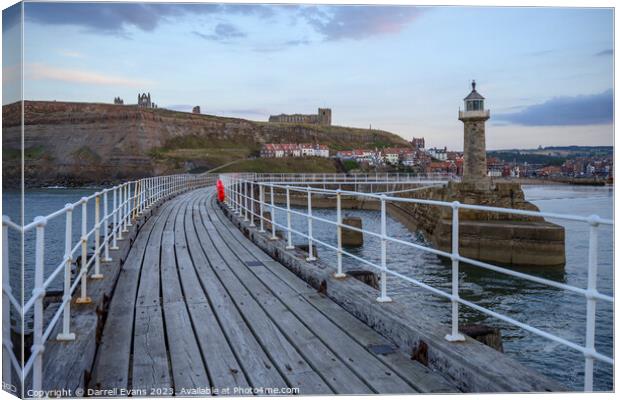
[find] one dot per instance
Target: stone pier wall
(506, 239)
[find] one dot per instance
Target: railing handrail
(241, 199)
(129, 201)
(440, 203)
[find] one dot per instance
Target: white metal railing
(241, 199)
(326, 178)
(129, 201)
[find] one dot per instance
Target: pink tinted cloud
(42, 71)
(359, 22)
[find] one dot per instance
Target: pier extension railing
(250, 195)
(128, 201)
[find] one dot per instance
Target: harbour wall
(501, 238)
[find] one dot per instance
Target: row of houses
(389, 155)
(279, 150)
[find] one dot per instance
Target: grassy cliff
(283, 165)
(77, 143)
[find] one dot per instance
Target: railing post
(591, 304)
(147, 194)
(124, 195)
(289, 234)
(339, 273)
(273, 216)
(245, 201)
(115, 230)
(128, 205)
(66, 333)
(156, 189)
(152, 189)
(144, 195)
(38, 293)
(235, 189)
(383, 297)
(83, 299)
(261, 199)
(97, 274)
(455, 336)
(141, 200)
(132, 203)
(310, 257)
(239, 197)
(7, 370)
(106, 243)
(252, 204)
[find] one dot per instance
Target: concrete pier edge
(472, 366)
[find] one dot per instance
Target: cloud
(117, 18)
(180, 107)
(270, 48)
(606, 52)
(223, 32)
(331, 22)
(243, 111)
(593, 109)
(359, 22)
(42, 71)
(299, 42)
(70, 53)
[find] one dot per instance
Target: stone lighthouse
(474, 149)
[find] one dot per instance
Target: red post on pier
(221, 195)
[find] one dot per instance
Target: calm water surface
(549, 309)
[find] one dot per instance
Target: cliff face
(76, 143)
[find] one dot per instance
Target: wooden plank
(258, 367)
(285, 358)
(319, 356)
(423, 379)
(376, 374)
(222, 366)
(171, 288)
(192, 290)
(188, 369)
(340, 378)
(150, 360)
(150, 357)
(112, 364)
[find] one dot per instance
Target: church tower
(474, 149)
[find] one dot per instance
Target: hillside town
(417, 158)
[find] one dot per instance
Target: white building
(439, 154)
(279, 150)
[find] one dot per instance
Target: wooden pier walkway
(198, 306)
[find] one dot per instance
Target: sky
(546, 73)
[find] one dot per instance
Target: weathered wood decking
(199, 306)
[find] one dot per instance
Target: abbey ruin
(323, 117)
(144, 101)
